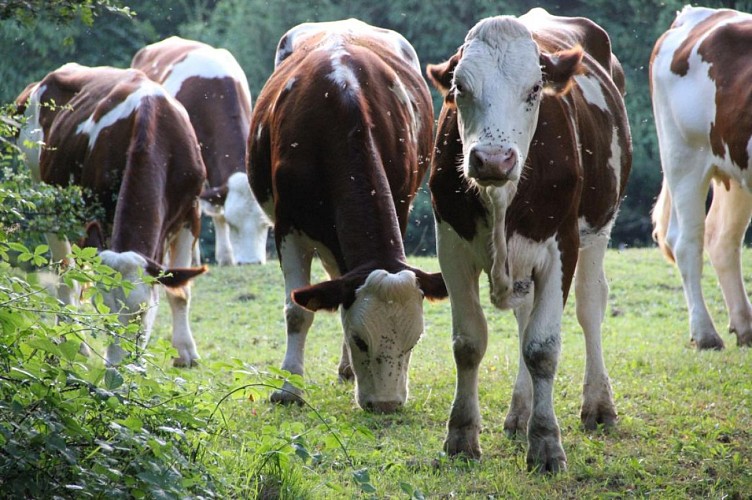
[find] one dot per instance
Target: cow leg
(296, 259)
(541, 346)
(520, 407)
(688, 197)
(180, 255)
(60, 248)
(469, 340)
(725, 224)
(591, 291)
(222, 245)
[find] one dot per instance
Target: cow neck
(499, 199)
(366, 220)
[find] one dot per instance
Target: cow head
(247, 223)
(382, 318)
(140, 304)
(496, 81)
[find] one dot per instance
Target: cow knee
(542, 356)
(298, 319)
(468, 353)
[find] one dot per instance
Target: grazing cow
(340, 140)
(532, 156)
(130, 144)
(701, 102)
(213, 88)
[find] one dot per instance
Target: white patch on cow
(209, 63)
(614, 161)
(248, 223)
(31, 135)
(406, 99)
(592, 91)
(589, 235)
(289, 85)
(123, 110)
(348, 27)
(342, 75)
(382, 326)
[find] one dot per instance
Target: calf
(531, 160)
(213, 88)
(701, 103)
(123, 138)
(340, 140)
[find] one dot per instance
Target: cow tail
(661, 215)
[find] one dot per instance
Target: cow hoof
(463, 443)
(546, 457)
(515, 425)
(744, 340)
(603, 415)
(183, 363)
(708, 343)
(287, 395)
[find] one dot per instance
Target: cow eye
(360, 343)
(459, 88)
(536, 88)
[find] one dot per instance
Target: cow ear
(431, 284)
(94, 237)
(328, 295)
(559, 68)
(441, 75)
(173, 277)
(216, 195)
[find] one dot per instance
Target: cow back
(340, 141)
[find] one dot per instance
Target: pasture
(685, 417)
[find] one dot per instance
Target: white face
(497, 88)
(138, 305)
(381, 327)
(247, 221)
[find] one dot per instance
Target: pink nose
(492, 163)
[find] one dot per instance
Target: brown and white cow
(532, 155)
(212, 86)
(699, 75)
(125, 139)
(340, 140)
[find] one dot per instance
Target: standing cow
(703, 116)
(532, 156)
(340, 140)
(130, 144)
(213, 88)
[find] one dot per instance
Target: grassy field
(685, 422)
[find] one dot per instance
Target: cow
(341, 137)
(213, 88)
(124, 139)
(532, 155)
(701, 103)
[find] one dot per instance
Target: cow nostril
(476, 160)
(383, 406)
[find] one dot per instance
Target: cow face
(496, 81)
(382, 320)
(247, 221)
(140, 304)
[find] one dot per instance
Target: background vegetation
(73, 428)
(250, 29)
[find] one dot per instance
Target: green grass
(684, 431)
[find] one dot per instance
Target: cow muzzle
(382, 406)
(492, 165)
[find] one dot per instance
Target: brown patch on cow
(680, 61)
(729, 51)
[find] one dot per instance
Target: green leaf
(112, 378)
